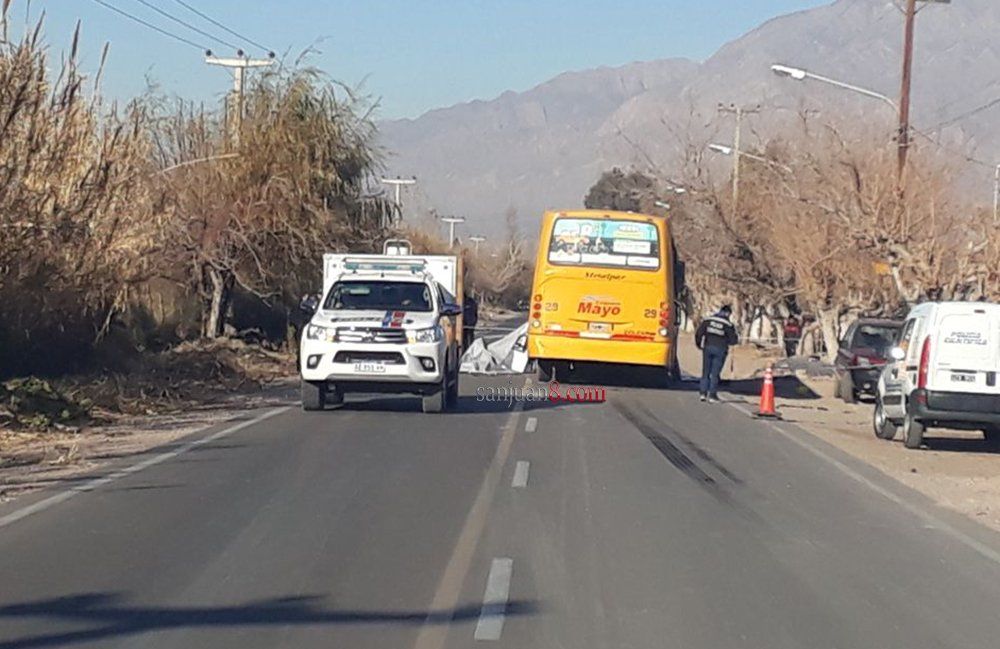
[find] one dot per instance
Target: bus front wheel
(546, 370)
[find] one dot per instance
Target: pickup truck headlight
(316, 332)
(864, 362)
(429, 335)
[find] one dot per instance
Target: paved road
(648, 521)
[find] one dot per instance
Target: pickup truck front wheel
(438, 400)
(313, 395)
(452, 391)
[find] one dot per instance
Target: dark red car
(862, 353)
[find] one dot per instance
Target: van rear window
(605, 242)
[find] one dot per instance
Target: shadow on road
(107, 617)
(468, 404)
(961, 445)
(785, 387)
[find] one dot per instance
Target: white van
(943, 373)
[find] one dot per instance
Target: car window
(906, 334)
(379, 295)
(878, 338)
(845, 342)
(446, 297)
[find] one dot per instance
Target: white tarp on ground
(508, 355)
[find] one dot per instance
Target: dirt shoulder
(161, 399)
(958, 470)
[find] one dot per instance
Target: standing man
(714, 336)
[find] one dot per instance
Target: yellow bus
(605, 291)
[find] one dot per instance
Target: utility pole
(477, 239)
(904, 93)
(910, 19)
(452, 221)
(398, 183)
(739, 112)
(996, 195)
(234, 112)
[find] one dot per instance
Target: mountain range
(543, 148)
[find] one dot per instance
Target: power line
(944, 147)
(150, 25)
(180, 21)
(968, 114)
(223, 27)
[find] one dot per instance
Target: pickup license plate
(960, 377)
(599, 327)
(369, 368)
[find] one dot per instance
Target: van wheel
(883, 426)
(313, 395)
(913, 432)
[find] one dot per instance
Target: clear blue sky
(415, 55)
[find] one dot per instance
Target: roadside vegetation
(129, 233)
(153, 253)
(822, 228)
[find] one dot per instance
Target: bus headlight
(536, 323)
(429, 335)
(663, 331)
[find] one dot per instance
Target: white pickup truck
(384, 324)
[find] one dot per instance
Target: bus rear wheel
(546, 370)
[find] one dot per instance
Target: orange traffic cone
(766, 409)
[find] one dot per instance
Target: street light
(798, 74)
(399, 183)
(452, 221)
(477, 239)
(728, 150)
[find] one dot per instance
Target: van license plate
(369, 368)
(599, 327)
(963, 378)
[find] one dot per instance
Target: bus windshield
(604, 242)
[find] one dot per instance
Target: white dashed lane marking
(531, 425)
(491, 618)
(520, 475)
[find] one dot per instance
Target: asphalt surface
(651, 520)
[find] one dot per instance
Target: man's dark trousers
(713, 359)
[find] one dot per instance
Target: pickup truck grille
(386, 358)
(371, 335)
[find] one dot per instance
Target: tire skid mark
(673, 453)
(695, 448)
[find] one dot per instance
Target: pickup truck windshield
(379, 295)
